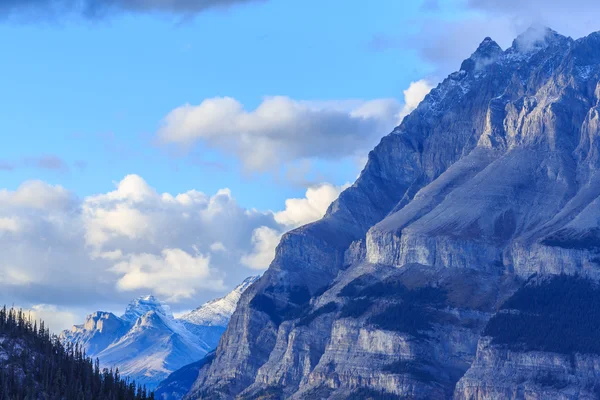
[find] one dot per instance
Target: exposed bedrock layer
(493, 178)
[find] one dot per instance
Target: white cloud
(281, 130)
(310, 208)
(100, 251)
(264, 242)
(121, 220)
(37, 195)
(174, 274)
(413, 96)
(110, 247)
(297, 212)
(55, 318)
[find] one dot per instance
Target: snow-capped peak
(147, 343)
(143, 305)
(218, 312)
(535, 38)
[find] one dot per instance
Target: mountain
(463, 262)
(208, 322)
(35, 365)
(147, 343)
(218, 312)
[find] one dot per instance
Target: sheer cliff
(493, 179)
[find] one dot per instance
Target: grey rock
(494, 177)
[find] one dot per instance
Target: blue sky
(166, 150)
(95, 91)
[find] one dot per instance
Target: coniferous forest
(34, 365)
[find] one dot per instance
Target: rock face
(492, 179)
(542, 344)
(147, 343)
(179, 383)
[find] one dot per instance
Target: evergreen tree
(38, 367)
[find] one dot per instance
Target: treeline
(35, 365)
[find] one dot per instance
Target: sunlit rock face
(493, 178)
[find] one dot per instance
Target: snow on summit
(147, 342)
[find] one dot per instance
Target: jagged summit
(538, 37)
(144, 304)
(147, 343)
(488, 47)
(487, 53)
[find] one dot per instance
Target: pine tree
(39, 367)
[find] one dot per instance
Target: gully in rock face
(466, 243)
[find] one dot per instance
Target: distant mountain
(464, 261)
(147, 343)
(218, 312)
(209, 321)
(142, 306)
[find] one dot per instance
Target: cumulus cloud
(102, 250)
(281, 130)
(109, 247)
(310, 208)
(174, 274)
(297, 212)
(264, 242)
(37, 195)
(100, 8)
(171, 245)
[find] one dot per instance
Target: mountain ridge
(147, 342)
(493, 178)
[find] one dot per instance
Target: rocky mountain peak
(488, 48)
(101, 321)
(147, 342)
(487, 53)
(144, 304)
(538, 37)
